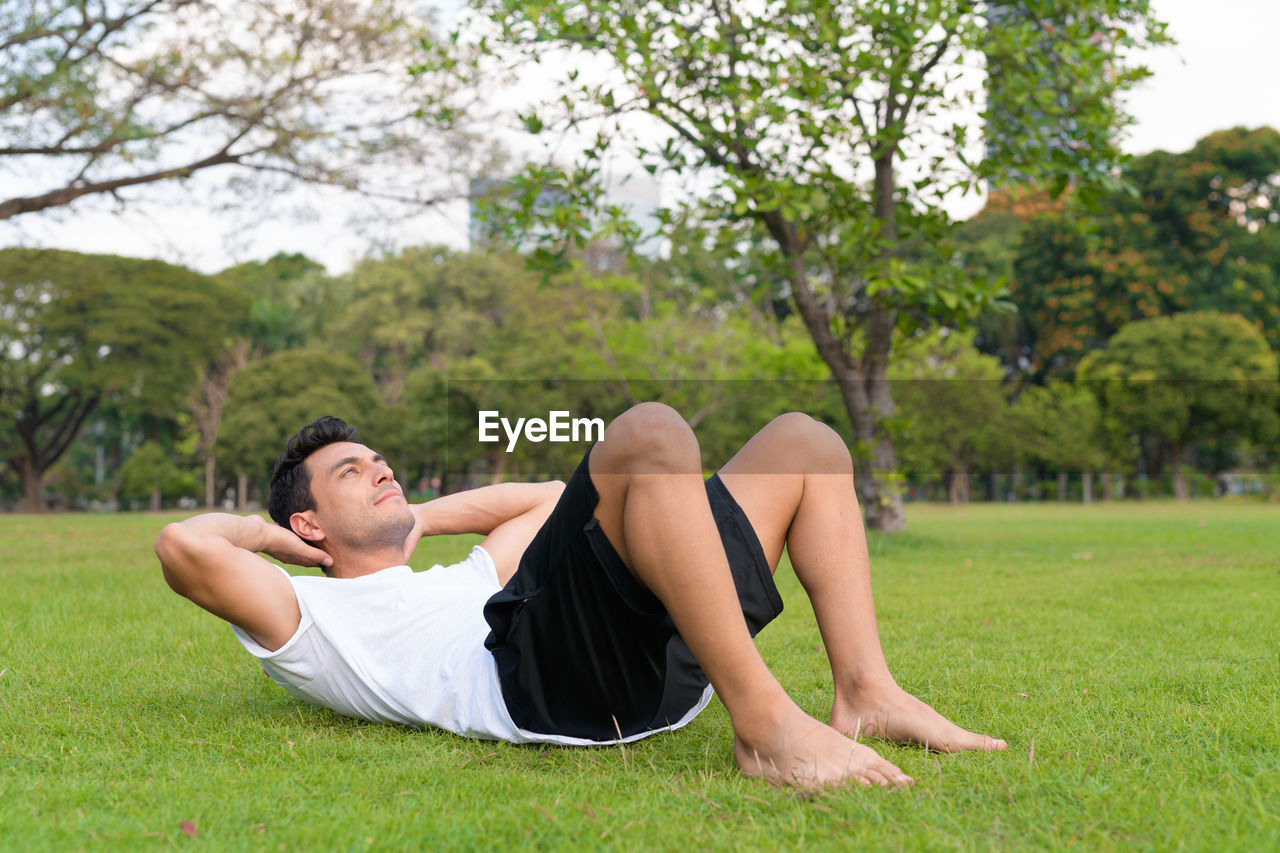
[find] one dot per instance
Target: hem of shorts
(527, 736)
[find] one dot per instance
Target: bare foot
(898, 716)
(804, 753)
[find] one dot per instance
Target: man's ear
(306, 526)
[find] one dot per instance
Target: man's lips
(389, 493)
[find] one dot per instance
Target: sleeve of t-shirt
(483, 564)
(302, 657)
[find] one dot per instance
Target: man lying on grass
(592, 612)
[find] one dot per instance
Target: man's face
(358, 502)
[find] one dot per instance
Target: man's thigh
(582, 648)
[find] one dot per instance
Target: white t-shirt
(405, 647)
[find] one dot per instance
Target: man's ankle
(865, 686)
(762, 719)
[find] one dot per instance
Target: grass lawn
(1129, 653)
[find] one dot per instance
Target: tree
(76, 329)
(650, 337)
(838, 128)
(431, 305)
(445, 334)
(1059, 423)
(1214, 212)
(1197, 232)
(1186, 378)
(269, 400)
(952, 412)
(100, 97)
(149, 475)
(286, 299)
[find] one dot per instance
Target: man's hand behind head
(288, 547)
(415, 535)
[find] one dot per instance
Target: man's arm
(211, 560)
(509, 513)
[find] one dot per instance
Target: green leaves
(76, 328)
(1055, 72)
(1185, 377)
(532, 123)
(1187, 231)
(266, 404)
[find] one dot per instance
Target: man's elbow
(173, 550)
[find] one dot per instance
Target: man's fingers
(299, 553)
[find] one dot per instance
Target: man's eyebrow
(341, 462)
(333, 469)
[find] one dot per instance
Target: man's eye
(347, 471)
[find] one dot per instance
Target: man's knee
(649, 438)
(816, 443)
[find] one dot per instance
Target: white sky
(1220, 74)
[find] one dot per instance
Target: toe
(983, 743)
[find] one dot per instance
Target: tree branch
(87, 23)
(315, 178)
(923, 70)
(66, 195)
(38, 420)
(70, 429)
(66, 60)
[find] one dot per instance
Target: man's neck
(353, 565)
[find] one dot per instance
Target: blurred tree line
(131, 382)
(137, 383)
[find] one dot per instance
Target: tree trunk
(498, 466)
(242, 491)
(1180, 490)
(1062, 486)
(210, 474)
(210, 396)
(1108, 486)
(868, 402)
(863, 382)
(886, 511)
(154, 504)
(62, 424)
(864, 389)
(32, 478)
(958, 488)
(1086, 485)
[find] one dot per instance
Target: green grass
(1128, 653)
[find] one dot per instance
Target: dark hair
(290, 479)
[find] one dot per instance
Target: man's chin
(391, 531)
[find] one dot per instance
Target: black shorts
(583, 650)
